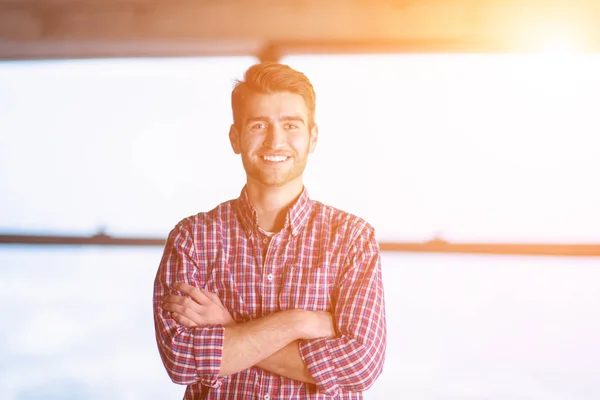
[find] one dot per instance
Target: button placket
(270, 274)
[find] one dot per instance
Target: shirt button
(267, 397)
(265, 240)
(270, 278)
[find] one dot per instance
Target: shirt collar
(295, 219)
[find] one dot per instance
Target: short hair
(271, 77)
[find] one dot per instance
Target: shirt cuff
(317, 358)
(209, 353)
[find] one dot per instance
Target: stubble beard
(274, 177)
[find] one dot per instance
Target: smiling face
(274, 138)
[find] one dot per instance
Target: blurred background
(466, 132)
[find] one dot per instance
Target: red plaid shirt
(323, 259)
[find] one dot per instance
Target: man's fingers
(212, 296)
(198, 296)
(199, 305)
(183, 320)
(184, 302)
(183, 311)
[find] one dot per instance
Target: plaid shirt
(323, 259)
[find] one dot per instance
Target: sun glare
(559, 47)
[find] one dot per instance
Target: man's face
(274, 138)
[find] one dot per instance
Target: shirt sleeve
(189, 355)
(354, 359)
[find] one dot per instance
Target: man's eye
(291, 126)
(259, 126)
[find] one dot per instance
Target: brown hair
(269, 77)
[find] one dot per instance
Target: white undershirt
(269, 234)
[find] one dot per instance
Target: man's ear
(314, 136)
(234, 139)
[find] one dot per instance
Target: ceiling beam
(32, 29)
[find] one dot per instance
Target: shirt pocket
(307, 287)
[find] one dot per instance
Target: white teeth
(275, 158)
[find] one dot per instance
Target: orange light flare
(561, 31)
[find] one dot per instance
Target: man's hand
(197, 307)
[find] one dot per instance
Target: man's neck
(272, 203)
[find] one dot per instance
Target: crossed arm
(199, 342)
(269, 342)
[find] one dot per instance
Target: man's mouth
(275, 158)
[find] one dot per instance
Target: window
(475, 148)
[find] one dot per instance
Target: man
(271, 295)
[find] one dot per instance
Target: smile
(275, 158)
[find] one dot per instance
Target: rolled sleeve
(208, 350)
(316, 356)
(355, 358)
(193, 355)
(190, 355)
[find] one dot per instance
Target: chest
(256, 276)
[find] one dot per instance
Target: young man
(271, 295)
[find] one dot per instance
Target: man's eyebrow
(292, 118)
(286, 118)
(258, 118)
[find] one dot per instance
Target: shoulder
(204, 222)
(342, 222)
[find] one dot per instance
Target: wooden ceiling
(47, 29)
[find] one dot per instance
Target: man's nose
(275, 137)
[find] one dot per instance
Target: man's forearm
(269, 342)
(248, 344)
(287, 362)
